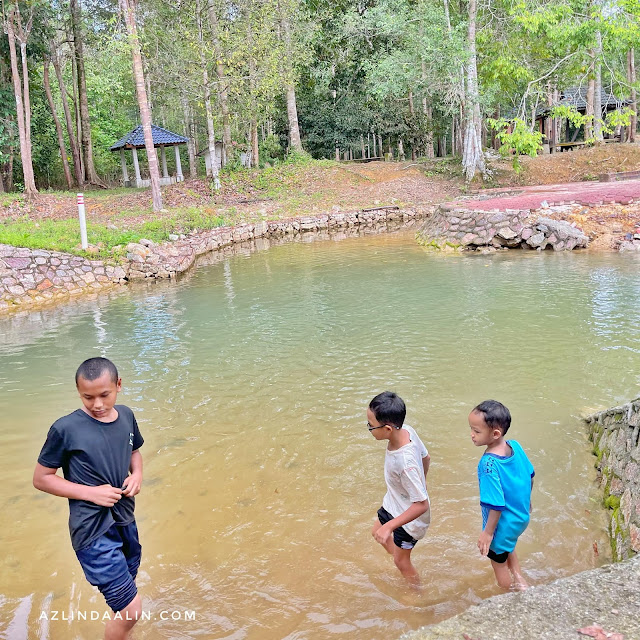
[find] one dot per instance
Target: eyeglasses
(373, 428)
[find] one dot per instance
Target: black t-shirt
(93, 453)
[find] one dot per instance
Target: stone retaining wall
(32, 277)
(615, 436)
(457, 228)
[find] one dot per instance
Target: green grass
(64, 235)
(6, 199)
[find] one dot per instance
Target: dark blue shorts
(111, 563)
(400, 537)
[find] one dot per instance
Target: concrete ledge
(608, 596)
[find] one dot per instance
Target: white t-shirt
(404, 475)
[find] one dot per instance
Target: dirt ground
(569, 166)
(346, 187)
(308, 190)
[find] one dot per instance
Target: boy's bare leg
(503, 574)
(402, 559)
(119, 628)
(389, 545)
(519, 583)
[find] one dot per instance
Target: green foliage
(270, 150)
(516, 137)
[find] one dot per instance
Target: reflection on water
(250, 379)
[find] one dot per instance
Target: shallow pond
(250, 379)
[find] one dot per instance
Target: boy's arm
(414, 511)
(133, 483)
(484, 541)
(45, 479)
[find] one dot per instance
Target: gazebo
(162, 138)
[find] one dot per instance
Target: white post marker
(83, 221)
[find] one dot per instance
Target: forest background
(279, 78)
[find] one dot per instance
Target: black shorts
(500, 558)
(400, 537)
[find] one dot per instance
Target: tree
(87, 149)
(472, 154)
(128, 7)
(15, 31)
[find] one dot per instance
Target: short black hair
(389, 408)
(93, 368)
(495, 414)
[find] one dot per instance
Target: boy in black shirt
(97, 447)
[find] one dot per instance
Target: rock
(507, 233)
(173, 237)
(536, 240)
(146, 243)
(544, 204)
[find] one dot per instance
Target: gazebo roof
(135, 138)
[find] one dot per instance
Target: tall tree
(56, 120)
(73, 143)
(128, 8)
(472, 154)
(78, 43)
(13, 26)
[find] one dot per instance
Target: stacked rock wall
(459, 228)
(31, 277)
(615, 436)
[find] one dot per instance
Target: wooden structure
(561, 135)
(162, 138)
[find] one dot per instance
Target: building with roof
(562, 134)
(162, 138)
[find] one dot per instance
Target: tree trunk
(631, 78)
(212, 172)
(25, 148)
(255, 148)
(292, 111)
(223, 93)
(87, 148)
(76, 112)
(188, 133)
(143, 104)
(56, 121)
(472, 156)
(597, 100)
(590, 109)
(75, 151)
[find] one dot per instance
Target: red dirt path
(586, 193)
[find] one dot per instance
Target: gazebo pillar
(163, 155)
(179, 175)
(136, 166)
(125, 173)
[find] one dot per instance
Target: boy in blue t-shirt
(505, 476)
(97, 448)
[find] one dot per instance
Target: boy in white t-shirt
(405, 515)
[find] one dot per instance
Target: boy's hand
(132, 485)
(105, 495)
(382, 534)
(484, 542)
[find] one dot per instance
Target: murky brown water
(250, 381)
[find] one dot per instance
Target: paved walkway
(608, 597)
(587, 193)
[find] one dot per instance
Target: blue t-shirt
(505, 485)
